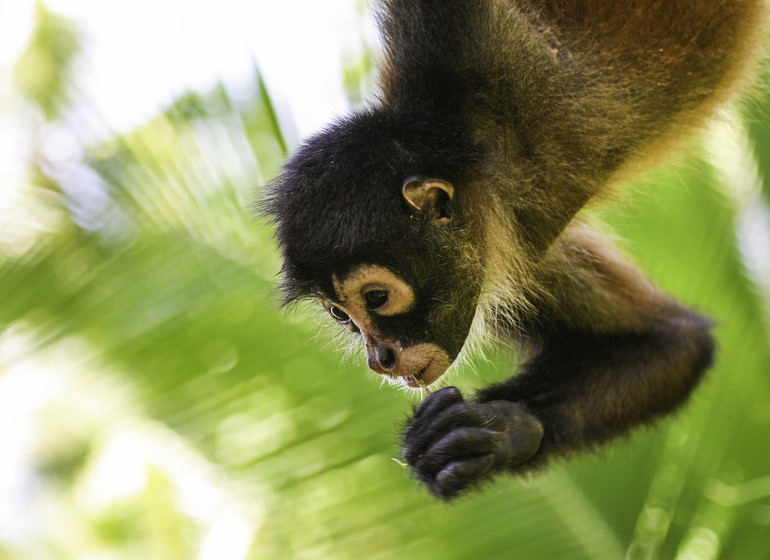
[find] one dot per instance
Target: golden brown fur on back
(617, 84)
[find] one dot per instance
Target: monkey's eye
(376, 299)
(338, 314)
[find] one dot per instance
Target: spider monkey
(450, 205)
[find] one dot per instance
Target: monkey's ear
(429, 195)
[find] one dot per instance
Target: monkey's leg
(614, 351)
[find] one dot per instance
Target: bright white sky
(140, 54)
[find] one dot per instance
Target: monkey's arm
(562, 98)
(612, 352)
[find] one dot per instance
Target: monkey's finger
(419, 437)
(436, 402)
(459, 475)
(462, 443)
(454, 416)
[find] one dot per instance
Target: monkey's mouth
(425, 376)
(421, 365)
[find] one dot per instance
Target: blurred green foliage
(43, 70)
(156, 403)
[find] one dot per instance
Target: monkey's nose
(382, 358)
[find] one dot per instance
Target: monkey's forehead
(327, 204)
(338, 199)
(348, 177)
(321, 279)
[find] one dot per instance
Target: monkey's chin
(434, 369)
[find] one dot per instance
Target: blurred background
(155, 403)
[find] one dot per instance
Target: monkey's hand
(452, 444)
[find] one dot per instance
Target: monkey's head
(369, 218)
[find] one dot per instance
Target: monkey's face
(407, 281)
(369, 222)
(384, 309)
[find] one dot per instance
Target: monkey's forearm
(579, 391)
(586, 389)
(613, 351)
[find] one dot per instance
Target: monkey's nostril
(386, 357)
